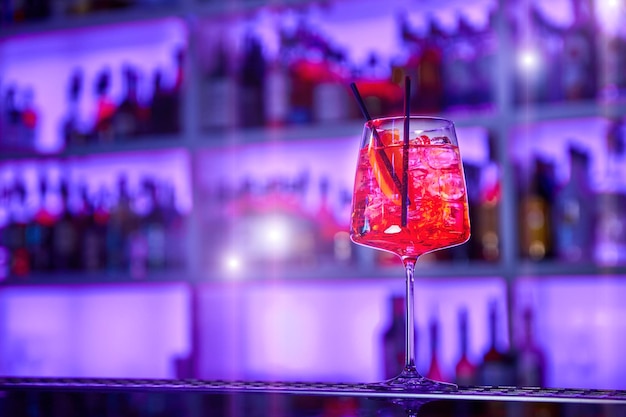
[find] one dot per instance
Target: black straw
(405, 151)
(379, 142)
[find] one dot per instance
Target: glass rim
(445, 122)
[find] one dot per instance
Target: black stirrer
(379, 142)
(405, 151)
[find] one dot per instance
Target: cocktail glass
(409, 199)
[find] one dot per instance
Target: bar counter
(83, 397)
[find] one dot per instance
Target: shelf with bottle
(104, 216)
(291, 67)
(120, 84)
(569, 51)
(570, 190)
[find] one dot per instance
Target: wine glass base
(411, 381)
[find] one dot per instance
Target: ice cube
(420, 140)
(444, 157)
(440, 140)
(451, 185)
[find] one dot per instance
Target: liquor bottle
(299, 46)
(4, 220)
(105, 108)
(459, 56)
(71, 128)
(330, 97)
(65, 237)
(536, 222)
(485, 61)
(127, 119)
(118, 227)
(277, 91)
(393, 339)
(579, 53)
(610, 233)
(219, 91)
(327, 224)
(429, 93)
(575, 210)
(434, 369)
(497, 367)
(39, 232)
(16, 232)
(174, 229)
(488, 208)
(252, 83)
(11, 120)
(29, 120)
(465, 370)
(94, 233)
(531, 362)
(153, 225)
(164, 111)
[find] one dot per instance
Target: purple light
(131, 330)
(579, 324)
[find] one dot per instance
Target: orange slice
(387, 164)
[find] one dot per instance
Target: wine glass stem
(409, 267)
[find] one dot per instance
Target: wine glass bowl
(409, 199)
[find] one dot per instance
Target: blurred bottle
(485, 61)
(29, 120)
(105, 108)
(165, 106)
(393, 339)
(16, 231)
(118, 229)
(65, 235)
(127, 121)
(39, 232)
(277, 91)
(330, 97)
(328, 226)
(11, 119)
(459, 59)
(579, 53)
(93, 240)
(536, 211)
(174, 229)
(487, 230)
(575, 210)
(300, 46)
(465, 370)
(425, 65)
(251, 89)
(219, 90)
(4, 221)
(531, 362)
(153, 225)
(610, 233)
(71, 126)
(434, 369)
(497, 367)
